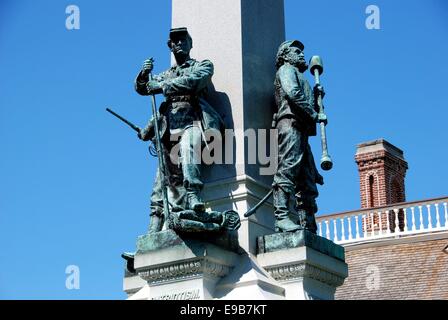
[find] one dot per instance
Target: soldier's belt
(182, 99)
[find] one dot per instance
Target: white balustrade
(405, 220)
(446, 214)
(422, 226)
(388, 221)
(335, 229)
(403, 215)
(397, 221)
(357, 236)
(414, 227)
(428, 207)
(380, 219)
(364, 224)
(437, 216)
(350, 238)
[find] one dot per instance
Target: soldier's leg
(289, 161)
(156, 219)
(307, 191)
(191, 150)
(176, 189)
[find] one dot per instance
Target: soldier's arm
(295, 93)
(142, 79)
(191, 83)
(148, 132)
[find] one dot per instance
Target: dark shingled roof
(415, 271)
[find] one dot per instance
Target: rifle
(162, 172)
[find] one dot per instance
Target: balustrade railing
(399, 220)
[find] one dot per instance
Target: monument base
(308, 266)
(181, 267)
(291, 266)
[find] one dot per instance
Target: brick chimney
(382, 171)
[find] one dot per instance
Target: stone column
(241, 38)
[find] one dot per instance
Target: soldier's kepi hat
(284, 48)
(292, 43)
(176, 32)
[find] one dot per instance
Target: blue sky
(75, 184)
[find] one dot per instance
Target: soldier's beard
(297, 62)
(303, 66)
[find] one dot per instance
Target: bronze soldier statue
(185, 114)
(295, 121)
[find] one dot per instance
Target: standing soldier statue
(296, 119)
(185, 114)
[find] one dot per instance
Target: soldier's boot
(283, 222)
(129, 257)
(307, 219)
(156, 222)
(194, 202)
(311, 223)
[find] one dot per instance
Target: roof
(397, 272)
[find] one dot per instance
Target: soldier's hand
(140, 134)
(322, 118)
(148, 65)
(154, 87)
(318, 89)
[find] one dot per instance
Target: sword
(258, 205)
(133, 126)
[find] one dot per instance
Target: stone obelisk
(241, 38)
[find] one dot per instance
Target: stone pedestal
(291, 266)
(249, 281)
(308, 266)
(132, 284)
(181, 268)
